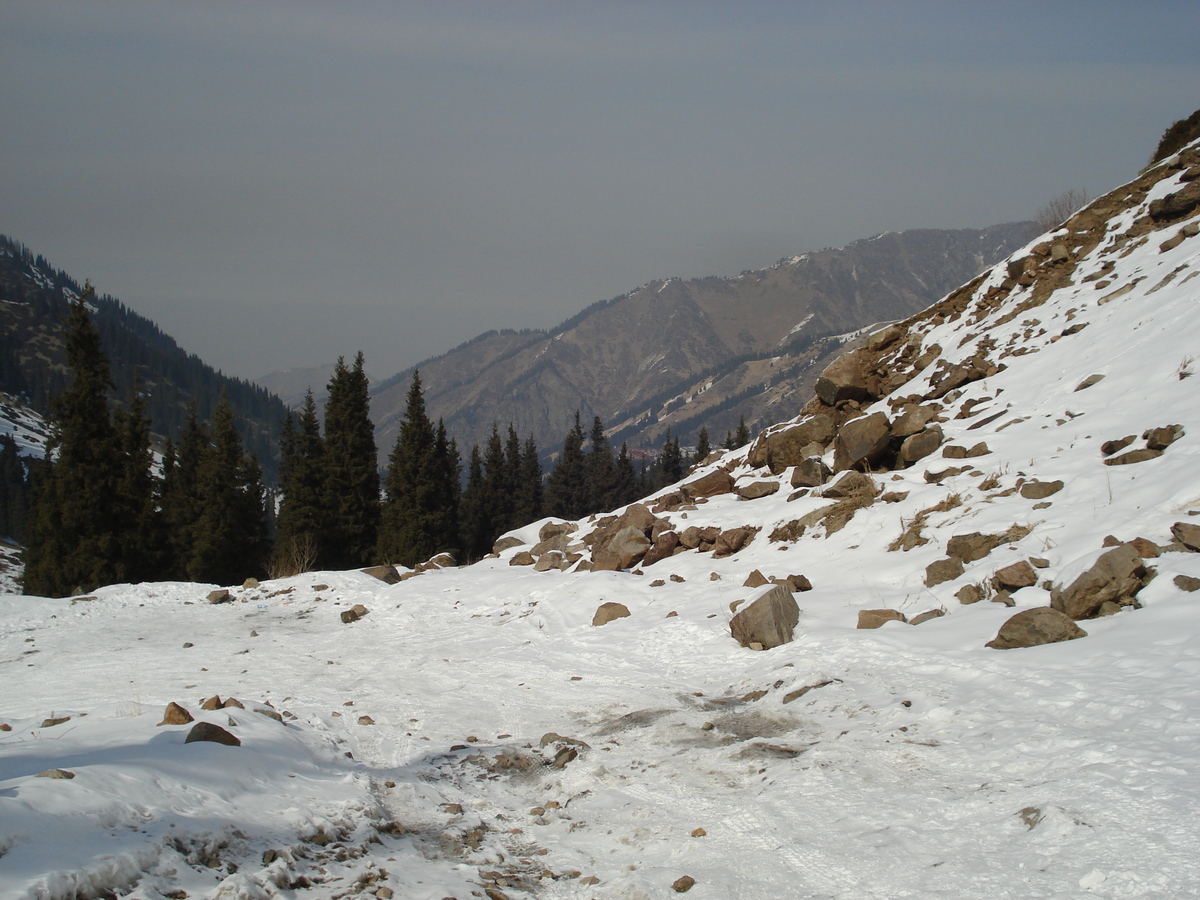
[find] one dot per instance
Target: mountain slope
(34, 300)
(505, 746)
(628, 358)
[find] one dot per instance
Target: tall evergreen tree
(528, 498)
(566, 488)
(15, 487)
(474, 526)
(351, 491)
(181, 501)
(73, 542)
(229, 538)
(143, 543)
(739, 438)
(497, 486)
(703, 447)
(302, 521)
(601, 471)
(670, 460)
(627, 484)
(419, 513)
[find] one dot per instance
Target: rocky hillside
(682, 354)
(933, 637)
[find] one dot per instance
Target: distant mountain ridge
(34, 300)
(683, 354)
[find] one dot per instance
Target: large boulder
(664, 545)
(784, 447)
(1116, 576)
(620, 550)
(757, 489)
(731, 541)
(919, 446)
(768, 620)
(913, 419)
(942, 570)
(506, 542)
(386, 574)
(715, 482)
(810, 473)
(609, 612)
(845, 378)
(207, 731)
(1014, 577)
(973, 546)
(1187, 534)
(1031, 627)
(851, 484)
(861, 442)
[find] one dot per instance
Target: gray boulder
(1116, 576)
(811, 472)
(861, 442)
(621, 550)
(919, 446)
(787, 446)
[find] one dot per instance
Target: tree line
(101, 511)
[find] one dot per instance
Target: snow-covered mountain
(470, 732)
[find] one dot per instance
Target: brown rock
(780, 448)
(844, 379)
(621, 550)
(175, 715)
(1187, 583)
(861, 442)
(386, 574)
(1146, 549)
(731, 541)
(973, 546)
(1014, 577)
(61, 774)
(810, 473)
(506, 542)
(1187, 534)
(954, 451)
(876, 618)
(1133, 456)
(969, 593)
(1108, 448)
(1164, 437)
(1040, 490)
(1032, 627)
(213, 702)
(926, 616)
(522, 558)
(913, 419)
(715, 482)
(851, 484)
(553, 529)
(207, 731)
(768, 619)
(1117, 576)
(664, 546)
(757, 489)
(54, 720)
(798, 583)
(694, 536)
(755, 579)
(943, 570)
(683, 884)
(980, 449)
(354, 613)
(608, 612)
(919, 446)
(221, 596)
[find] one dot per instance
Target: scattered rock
(386, 574)
(220, 596)
(207, 731)
(715, 482)
(523, 558)
(1117, 575)
(913, 419)
(877, 618)
(1108, 448)
(365, 720)
(943, 570)
(779, 448)
(769, 618)
(699, 832)
(1040, 490)
(1164, 437)
(62, 774)
(1089, 382)
(608, 612)
(1039, 562)
(757, 489)
(1014, 577)
(175, 715)
(969, 593)
(919, 446)
(851, 484)
(1187, 583)
(213, 702)
(810, 473)
(926, 616)
(798, 583)
(1031, 627)
(53, 720)
(974, 545)
(755, 579)
(249, 584)
(843, 379)
(731, 541)
(354, 613)
(861, 442)
(664, 546)
(506, 542)
(683, 884)
(1133, 456)
(1187, 534)
(1146, 549)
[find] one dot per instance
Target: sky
(280, 183)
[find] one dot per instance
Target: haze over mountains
(683, 354)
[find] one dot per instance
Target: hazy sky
(278, 183)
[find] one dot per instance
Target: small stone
(608, 612)
(943, 570)
(354, 613)
(187, 645)
(1187, 583)
(51, 722)
(175, 715)
(1039, 562)
(678, 579)
(365, 720)
(591, 879)
(699, 832)
(206, 731)
(1108, 448)
(876, 618)
(754, 579)
(969, 593)
(672, 614)
(1040, 490)
(1088, 382)
(56, 773)
(213, 702)
(220, 596)
(683, 885)
(249, 584)
(926, 616)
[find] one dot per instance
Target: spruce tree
(181, 496)
(475, 528)
(703, 448)
(351, 483)
(73, 541)
(143, 544)
(497, 486)
(670, 460)
(418, 511)
(601, 471)
(302, 521)
(566, 488)
(15, 487)
(627, 485)
(528, 501)
(742, 436)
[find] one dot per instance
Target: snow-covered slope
(512, 749)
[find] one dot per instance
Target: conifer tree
(229, 535)
(419, 510)
(601, 471)
(741, 437)
(143, 541)
(351, 489)
(528, 503)
(566, 488)
(302, 522)
(73, 542)
(15, 484)
(474, 526)
(181, 501)
(497, 486)
(670, 460)
(626, 486)
(703, 448)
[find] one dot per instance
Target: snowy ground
(917, 764)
